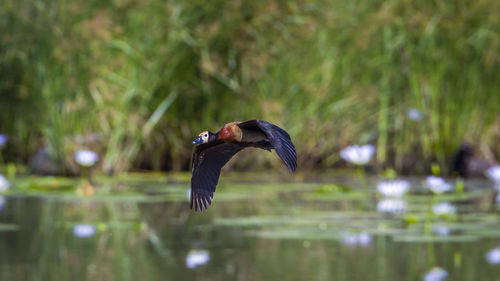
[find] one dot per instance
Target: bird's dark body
(210, 157)
(467, 164)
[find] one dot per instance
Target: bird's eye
(206, 135)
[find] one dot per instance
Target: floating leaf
(434, 238)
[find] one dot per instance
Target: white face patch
(204, 136)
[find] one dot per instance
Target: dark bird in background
(215, 150)
(467, 164)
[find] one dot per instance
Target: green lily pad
(46, 183)
(435, 238)
(310, 234)
(335, 196)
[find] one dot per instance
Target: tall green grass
(147, 76)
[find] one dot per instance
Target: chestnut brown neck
(230, 132)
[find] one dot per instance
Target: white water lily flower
(196, 258)
(363, 239)
(393, 188)
(493, 256)
(437, 184)
(349, 239)
(86, 158)
(441, 230)
(359, 155)
(4, 183)
(443, 208)
(84, 230)
(493, 173)
(414, 114)
(390, 205)
(436, 274)
(3, 140)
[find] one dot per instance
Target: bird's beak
(197, 140)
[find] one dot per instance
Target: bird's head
(205, 137)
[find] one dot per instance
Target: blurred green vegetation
(136, 81)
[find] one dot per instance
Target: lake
(259, 227)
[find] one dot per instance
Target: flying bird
(215, 149)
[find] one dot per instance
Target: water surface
(139, 227)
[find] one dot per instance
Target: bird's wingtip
(200, 201)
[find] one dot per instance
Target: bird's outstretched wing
(208, 160)
(279, 139)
